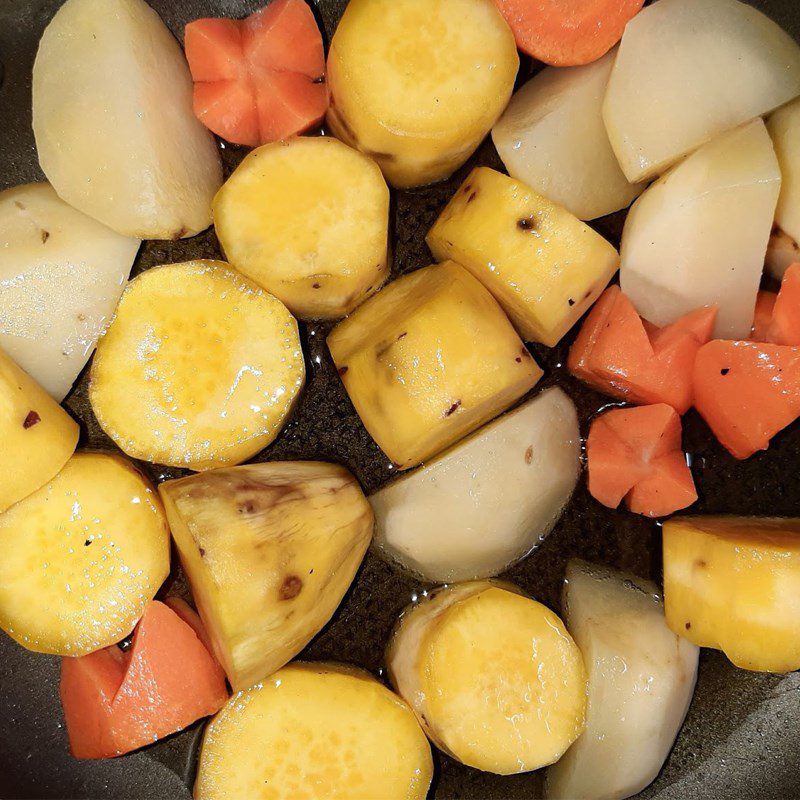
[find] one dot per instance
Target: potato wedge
(428, 360)
(38, 436)
(113, 119)
(417, 84)
(308, 221)
(493, 676)
(542, 264)
(82, 557)
(61, 277)
(269, 550)
(200, 368)
(329, 731)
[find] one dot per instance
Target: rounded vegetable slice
(199, 369)
(315, 731)
(82, 557)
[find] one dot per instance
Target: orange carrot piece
(784, 327)
(214, 49)
(229, 109)
(765, 305)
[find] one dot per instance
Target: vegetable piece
(308, 221)
(260, 79)
(732, 583)
(553, 138)
(116, 702)
(689, 70)
(61, 276)
(38, 436)
(784, 327)
(451, 520)
(428, 360)
(326, 728)
(698, 236)
(544, 266)
(269, 550)
(747, 392)
(82, 557)
(765, 304)
(112, 114)
(565, 33)
(641, 681)
(621, 356)
(200, 368)
(635, 454)
(493, 676)
(417, 84)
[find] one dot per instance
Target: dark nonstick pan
(740, 739)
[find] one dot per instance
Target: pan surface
(740, 738)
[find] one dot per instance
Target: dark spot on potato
(453, 408)
(181, 232)
(529, 455)
(315, 286)
(87, 542)
(688, 626)
(377, 155)
(526, 224)
(31, 419)
(467, 188)
(343, 371)
(81, 318)
(321, 79)
(700, 563)
(524, 353)
(45, 235)
(202, 552)
(518, 359)
(311, 571)
(724, 371)
(571, 301)
(19, 205)
(247, 507)
(402, 335)
(472, 197)
(291, 587)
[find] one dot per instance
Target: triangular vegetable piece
(697, 325)
(669, 489)
(288, 102)
(596, 320)
(269, 550)
(747, 392)
(765, 304)
(214, 49)
(784, 327)
(229, 109)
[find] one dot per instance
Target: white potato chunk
(783, 250)
(113, 119)
(451, 520)
(61, 277)
(552, 137)
(641, 681)
(688, 70)
(698, 236)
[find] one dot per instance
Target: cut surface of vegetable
(82, 557)
(417, 84)
(784, 326)
(38, 436)
(544, 266)
(112, 115)
(552, 137)
(689, 70)
(565, 33)
(698, 236)
(619, 355)
(641, 680)
(493, 676)
(732, 583)
(428, 360)
(61, 276)
(260, 79)
(762, 319)
(200, 368)
(269, 550)
(308, 221)
(326, 728)
(115, 702)
(451, 519)
(747, 392)
(635, 454)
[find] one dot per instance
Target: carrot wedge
(784, 327)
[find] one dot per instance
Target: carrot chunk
(765, 305)
(784, 327)
(635, 454)
(568, 33)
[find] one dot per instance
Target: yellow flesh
(32, 454)
(307, 220)
(544, 266)
(315, 731)
(733, 583)
(199, 368)
(428, 360)
(82, 557)
(269, 550)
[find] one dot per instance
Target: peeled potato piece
(316, 731)
(308, 221)
(61, 276)
(113, 119)
(200, 368)
(82, 557)
(493, 676)
(269, 550)
(417, 84)
(450, 520)
(37, 435)
(641, 681)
